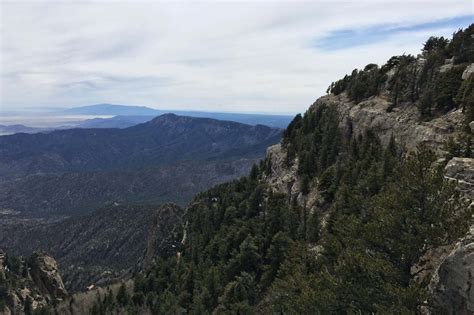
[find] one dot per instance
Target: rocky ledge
(34, 282)
(45, 273)
(403, 121)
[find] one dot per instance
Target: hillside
(12, 129)
(106, 245)
(119, 121)
(169, 158)
(362, 208)
(165, 139)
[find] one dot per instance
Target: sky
(231, 56)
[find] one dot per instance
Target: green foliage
(419, 80)
(465, 98)
(435, 44)
(138, 299)
(461, 146)
(403, 83)
(361, 84)
(45, 310)
(14, 264)
(316, 141)
(447, 88)
(122, 295)
(28, 308)
(365, 266)
(461, 47)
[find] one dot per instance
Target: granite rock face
(163, 234)
(451, 284)
(403, 122)
(45, 273)
(469, 70)
(283, 177)
(462, 171)
(35, 279)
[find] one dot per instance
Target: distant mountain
(125, 116)
(169, 158)
(130, 115)
(119, 121)
(112, 109)
(12, 129)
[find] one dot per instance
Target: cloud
(346, 38)
(229, 56)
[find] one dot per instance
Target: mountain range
(112, 109)
(272, 120)
(123, 116)
(169, 158)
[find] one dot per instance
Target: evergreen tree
(28, 308)
(122, 295)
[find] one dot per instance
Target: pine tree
(28, 308)
(122, 295)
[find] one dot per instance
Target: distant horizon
(268, 57)
(34, 109)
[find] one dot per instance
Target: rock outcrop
(163, 234)
(35, 280)
(45, 273)
(467, 73)
(451, 286)
(403, 121)
(462, 171)
(451, 283)
(283, 177)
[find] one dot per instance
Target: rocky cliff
(451, 267)
(403, 123)
(29, 284)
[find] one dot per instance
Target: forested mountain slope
(357, 210)
(165, 139)
(170, 158)
(108, 244)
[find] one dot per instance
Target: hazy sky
(252, 56)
